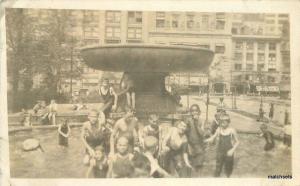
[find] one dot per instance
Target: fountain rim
(149, 46)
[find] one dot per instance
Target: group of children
(128, 148)
(131, 149)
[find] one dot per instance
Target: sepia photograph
(148, 94)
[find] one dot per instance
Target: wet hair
(92, 112)
(152, 115)
(225, 117)
(141, 162)
(99, 148)
(196, 106)
(121, 138)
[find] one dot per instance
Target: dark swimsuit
(100, 169)
(61, 139)
(108, 97)
(224, 146)
(96, 137)
(269, 137)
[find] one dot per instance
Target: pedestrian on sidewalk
(287, 135)
(261, 113)
(271, 112)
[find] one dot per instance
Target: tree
(36, 41)
(19, 46)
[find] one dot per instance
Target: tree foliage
(38, 44)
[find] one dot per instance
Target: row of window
(250, 57)
(115, 17)
(189, 22)
(260, 67)
(250, 46)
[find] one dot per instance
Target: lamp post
(207, 98)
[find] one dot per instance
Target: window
(160, 19)
(175, 21)
(190, 21)
(260, 67)
(238, 56)
(272, 46)
(220, 25)
(113, 16)
(249, 57)
(204, 46)
(261, 46)
(238, 66)
(249, 45)
(249, 67)
(239, 45)
(91, 16)
(272, 61)
(135, 17)
(205, 22)
(134, 33)
(283, 15)
(270, 21)
(271, 79)
(113, 32)
(261, 57)
(220, 48)
(91, 31)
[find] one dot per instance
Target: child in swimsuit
(151, 129)
(93, 134)
(227, 144)
(120, 164)
(128, 86)
(174, 145)
(142, 166)
(63, 134)
(269, 137)
(98, 164)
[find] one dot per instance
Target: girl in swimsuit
(227, 144)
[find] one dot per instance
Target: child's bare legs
(128, 99)
(133, 100)
(53, 119)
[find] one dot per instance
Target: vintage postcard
(108, 92)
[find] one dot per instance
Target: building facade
(249, 48)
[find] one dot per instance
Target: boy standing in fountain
(196, 136)
(109, 97)
(227, 144)
(94, 133)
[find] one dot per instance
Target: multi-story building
(245, 45)
(257, 52)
